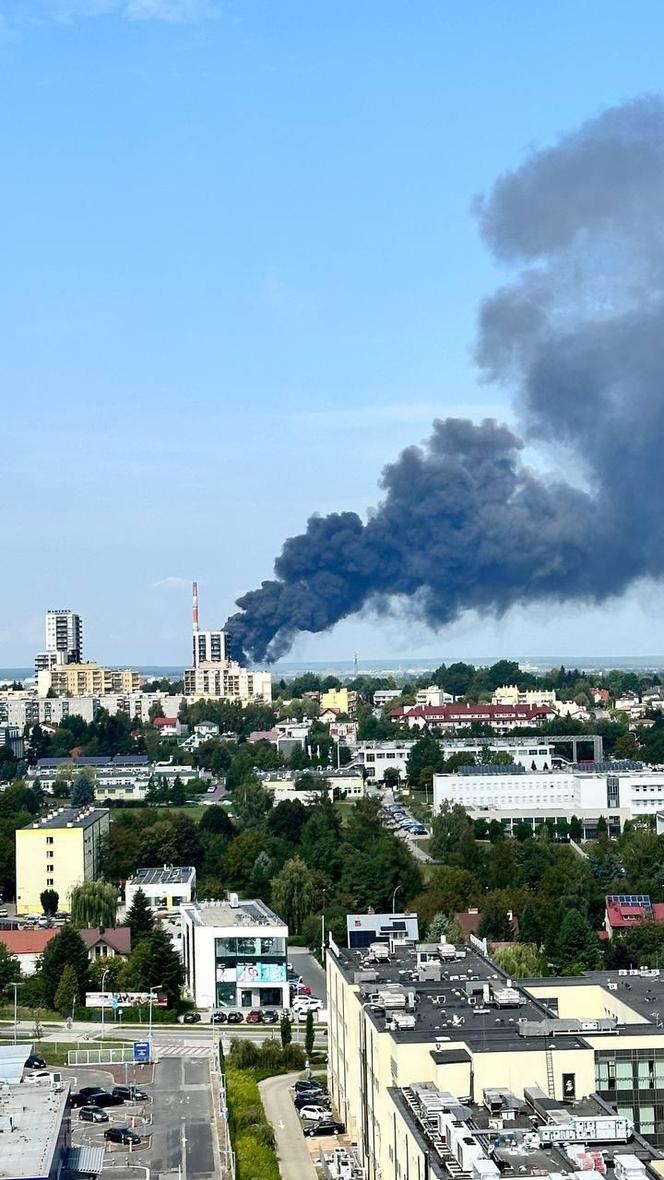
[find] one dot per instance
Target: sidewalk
(295, 1162)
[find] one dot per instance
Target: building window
(49, 839)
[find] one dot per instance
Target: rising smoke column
(578, 335)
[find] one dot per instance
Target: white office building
(376, 757)
(617, 791)
(235, 954)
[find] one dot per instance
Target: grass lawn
(424, 843)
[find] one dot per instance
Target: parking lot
(176, 1124)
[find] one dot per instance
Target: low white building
(375, 757)
(205, 731)
(433, 695)
(287, 784)
(617, 791)
(383, 696)
(235, 954)
(167, 888)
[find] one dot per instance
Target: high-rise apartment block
(64, 640)
(209, 647)
(215, 674)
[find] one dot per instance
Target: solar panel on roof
(492, 768)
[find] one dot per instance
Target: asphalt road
(176, 1125)
(310, 969)
(295, 1162)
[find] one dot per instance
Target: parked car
(303, 989)
(270, 1016)
(191, 1018)
(305, 1004)
(312, 1098)
(329, 1127)
(130, 1093)
(255, 1016)
(92, 1114)
(90, 1091)
(218, 1018)
(78, 1100)
(106, 1100)
(122, 1135)
(34, 1061)
(305, 1086)
(314, 1114)
(37, 1076)
(235, 1018)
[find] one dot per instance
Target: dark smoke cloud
(579, 336)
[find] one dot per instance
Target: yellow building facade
(58, 852)
(339, 698)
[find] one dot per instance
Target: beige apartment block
(79, 680)
(412, 1019)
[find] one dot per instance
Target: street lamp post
(322, 931)
(396, 890)
(151, 993)
(103, 1005)
(15, 986)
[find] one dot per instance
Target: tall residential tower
(64, 640)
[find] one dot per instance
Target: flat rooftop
(252, 912)
(69, 817)
(167, 875)
(503, 1141)
(446, 1017)
(37, 1113)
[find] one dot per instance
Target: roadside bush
(251, 1134)
(244, 1055)
(266, 1059)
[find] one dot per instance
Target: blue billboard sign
(142, 1051)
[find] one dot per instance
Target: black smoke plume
(579, 336)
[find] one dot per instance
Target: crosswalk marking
(181, 1050)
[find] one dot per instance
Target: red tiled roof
(26, 942)
(161, 721)
(619, 915)
(119, 938)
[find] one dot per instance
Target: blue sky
(240, 272)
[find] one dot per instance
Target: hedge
(251, 1134)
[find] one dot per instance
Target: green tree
(66, 991)
(66, 948)
(438, 927)
(10, 968)
(577, 944)
(285, 1032)
(495, 924)
(449, 826)
(178, 795)
(251, 803)
(531, 928)
(139, 918)
(83, 791)
(94, 903)
(521, 961)
(154, 963)
(49, 899)
(294, 893)
(309, 1034)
